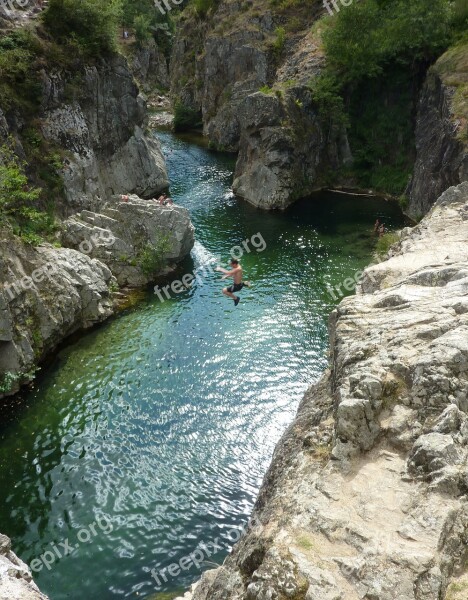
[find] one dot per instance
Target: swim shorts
(236, 287)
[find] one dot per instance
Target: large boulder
(137, 239)
(47, 294)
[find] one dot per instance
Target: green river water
(151, 434)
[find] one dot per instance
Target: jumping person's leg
(229, 293)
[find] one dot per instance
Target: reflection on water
(164, 420)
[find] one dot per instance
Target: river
(151, 433)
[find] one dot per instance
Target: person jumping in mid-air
(236, 274)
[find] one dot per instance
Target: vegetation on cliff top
(377, 56)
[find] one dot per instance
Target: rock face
(283, 151)
(16, 581)
(252, 88)
(149, 66)
(122, 234)
(441, 131)
(108, 153)
(366, 494)
(47, 293)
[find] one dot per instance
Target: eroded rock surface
(441, 131)
(47, 293)
(366, 494)
(16, 582)
(108, 152)
(124, 231)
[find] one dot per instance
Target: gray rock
(47, 294)
(123, 231)
(149, 66)
(108, 153)
(442, 149)
(432, 452)
(16, 581)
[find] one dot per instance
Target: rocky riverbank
(49, 293)
(16, 582)
(366, 494)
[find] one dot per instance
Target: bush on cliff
(18, 200)
(19, 83)
(91, 25)
(186, 118)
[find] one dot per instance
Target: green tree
(91, 24)
(18, 200)
(142, 25)
(371, 33)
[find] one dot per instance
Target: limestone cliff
(250, 80)
(366, 494)
(16, 581)
(102, 132)
(441, 131)
(95, 116)
(47, 293)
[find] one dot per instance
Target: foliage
(371, 33)
(385, 242)
(142, 25)
(7, 381)
(153, 257)
(19, 82)
(203, 7)
(326, 91)
(89, 25)
(148, 22)
(403, 201)
(381, 131)
(186, 118)
(459, 16)
(18, 200)
(278, 44)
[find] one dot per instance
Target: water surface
(163, 421)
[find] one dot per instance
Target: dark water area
(151, 434)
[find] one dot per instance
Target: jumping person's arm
(228, 273)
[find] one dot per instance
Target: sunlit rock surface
(123, 231)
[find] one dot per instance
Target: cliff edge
(366, 494)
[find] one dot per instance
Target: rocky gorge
(249, 70)
(49, 292)
(366, 494)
